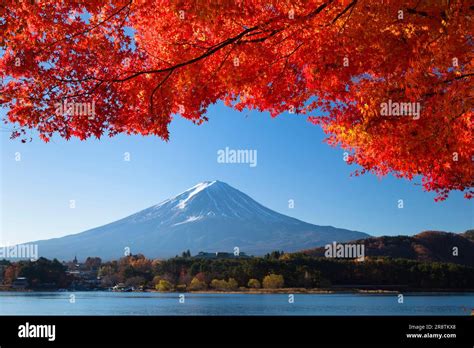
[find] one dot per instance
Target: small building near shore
(20, 283)
(220, 255)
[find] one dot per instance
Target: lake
(141, 303)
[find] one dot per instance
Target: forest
(274, 270)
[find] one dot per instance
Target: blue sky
(293, 163)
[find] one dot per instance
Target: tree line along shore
(276, 272)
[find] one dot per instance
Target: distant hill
(425, 246)
(469, 234)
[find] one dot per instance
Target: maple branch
(233, 40)
(156, 88)
(420, 13)
(93, 27)
(343, 26)
(287, 58)
(318, 10)
(458, 78)
(221, 64)
(261, 39)
(191, 61)
(217, 47)
(348, 7)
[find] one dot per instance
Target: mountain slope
(425, 246)
(469, 234)
(211, 216)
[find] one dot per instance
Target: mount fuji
(211, 216)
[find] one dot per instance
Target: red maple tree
(393, 79)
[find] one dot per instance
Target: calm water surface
(114, 303)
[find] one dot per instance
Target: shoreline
(321, 292)
(268, 291)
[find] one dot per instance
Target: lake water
(115, 303)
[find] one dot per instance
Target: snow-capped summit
(207, 199)
(210, 216)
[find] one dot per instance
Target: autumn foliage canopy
(142, 62)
